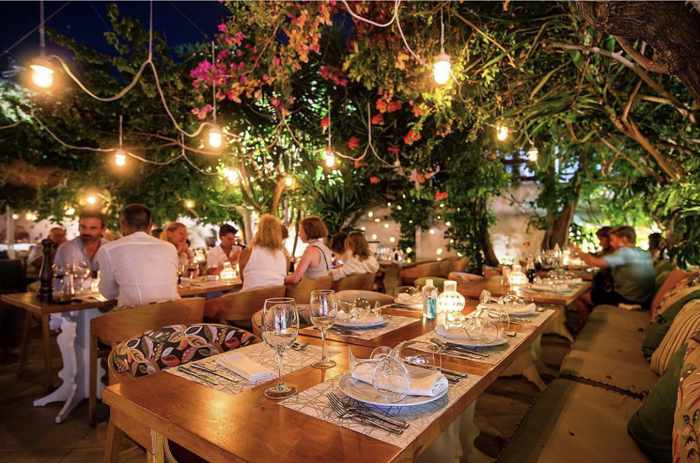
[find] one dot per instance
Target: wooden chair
(371, 296)
(362, 281)
(128, 361)
(237, 308)
(126, 322)
(301, 292)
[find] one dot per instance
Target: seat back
(301, 292)
(237, 308)
(686, 426)
(174, 345)
(361, 281)
(12, 276)
(371, 296)
(126, 322)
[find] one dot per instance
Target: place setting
(392, 395)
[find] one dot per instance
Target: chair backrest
(173, 345)
(12, 276)
(126, 322)
(371, 296)
(237, 308)
(301, 292)
(363, 281)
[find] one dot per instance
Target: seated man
(631, 267)
(226, 251)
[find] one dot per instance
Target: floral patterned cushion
(686, 424)
(174, 345)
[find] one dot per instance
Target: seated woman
(359, 258)
(264, 263)
(339, 248)
(176, 234)
(317, 258)
(632, 270)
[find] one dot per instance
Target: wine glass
(322, 311)
(280, 326)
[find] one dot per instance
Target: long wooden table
(221, 427)
(30, 303)
(473, 289)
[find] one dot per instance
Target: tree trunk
(558, 231)
(672, 29)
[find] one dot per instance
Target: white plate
(360, 324)
(366, 393)
(463, 340)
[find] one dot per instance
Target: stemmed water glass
(323, 308)
(280, 326)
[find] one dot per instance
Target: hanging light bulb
(215, 138)
(230, 174)
(91, 199)
(330, 158)
(189, 204)
(442, 68)
(42, 75)
(288, 181)
(502, 132)
(15, 216)
(532, 154)
(120, 158)
(30, 216)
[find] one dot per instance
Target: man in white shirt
(226, 251)
(138, 269)
(83, 249)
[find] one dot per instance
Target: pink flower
(374, 180)
(393, 149)
(202, 112)
(393, 106)
(325, 122)
(378, 119)
(238, 38)
(441, 195)
(353, 143)
(222, 27)
(277, 61)
(276, 102)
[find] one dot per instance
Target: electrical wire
(28, 34)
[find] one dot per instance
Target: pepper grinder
(46, 273)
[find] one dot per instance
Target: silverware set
(299, 346)
(452, 376)
(457, 350)
(205, 374)
(364, 415)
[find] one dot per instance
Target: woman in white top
(264, 263)
(317, 260)
(359, 258)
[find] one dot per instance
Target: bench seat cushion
(607, 350)
(576, 423)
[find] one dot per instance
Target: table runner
(498, 353)
(394, 323)
(313, 402)
(261, 353)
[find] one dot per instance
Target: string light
(377, 220)
(370, 214)
(502, 132)
(392, 239)
(388, 204)
(30, 216)
(448, 224)
(91, 200)
(288, 181)
(215, 139)
(329, 158)
(189, 204)
(432, 231)
(386, 225)
(363, 228)
(409, 250)
(15, 216)
(442, 66)
(439, 251)
(120, 158)
(42, 75)
(374, 236)
(532, 154)
(231, 175)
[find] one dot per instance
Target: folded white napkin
(513, 308)
(422, 381)
(559, 288)
(245, 367)
(407, 299)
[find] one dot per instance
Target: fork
(362, 409)
(340, 410)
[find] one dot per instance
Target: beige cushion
(684, 325)
(686, 425)
(681, 290)
(672, 280)
(575, 423)
(608, 350)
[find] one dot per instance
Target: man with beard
(82, 249)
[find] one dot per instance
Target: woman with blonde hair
(359, 260)
(176, 234)
(264, 263)
(317, 259)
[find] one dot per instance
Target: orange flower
(353, 143)
(441, 195)
(374, 180)
(378, 119)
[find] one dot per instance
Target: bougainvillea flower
(441, 195)
(393, 149)
(378, 119)
(325, 122)
(374, 180)
(353, 143)
(417, 177)
(411, 137)
(381, 105)
(222, 27)
(393, 106)
(358, 163)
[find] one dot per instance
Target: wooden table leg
(46, 348)
(156, 453)
(93, 379)
(24, 346)
(112, 442)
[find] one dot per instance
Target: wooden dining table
(222, 427)
(42, 310)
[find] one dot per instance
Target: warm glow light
(330, 158)
(388, 204)
(377, 220)
(374, 236)
(448, 224)
(392, 240)
(189, 204)
(432, 231)
(42, 76)
(15, 216)
(532, 154)
(439, 251)
(363, 228)
(230, 174)
(502, 132)
(70, 210)
(91, 199)
(215, 138)
(120, 158)
(288, 181)
(409, 250)
(386, 225)
(30, 216)
(370, 214)
(442, 204)
(398, 208)
(442, 69)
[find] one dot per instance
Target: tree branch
(640, 59)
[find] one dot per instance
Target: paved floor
(29, 434)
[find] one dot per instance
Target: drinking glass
(408, 290)
(323, 309)
(280, 326)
